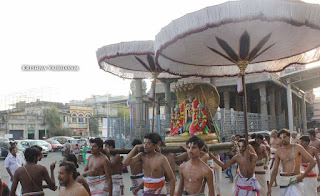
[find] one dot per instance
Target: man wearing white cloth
(310, 181)
(262, 163)
(290, 156)
(97, 170)
(12, 163)
(247, 185)
(116, 169)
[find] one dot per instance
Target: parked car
(41, 143)
(80, 142)
(61, 139)
(4, 149)
(3, 139)
(56, 146)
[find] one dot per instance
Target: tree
(124, 113)
(94, 126)
(52, 118)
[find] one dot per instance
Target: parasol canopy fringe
(135, 47)
(296, 12)
(233, 70)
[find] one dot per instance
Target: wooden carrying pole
(216, 148)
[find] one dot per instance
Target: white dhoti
(289, 186)
(117, 184)
(136, 180)
(261, 176)
(217, 175)
(310, 181)
(247, 187)
(98, 185)
(19, 188)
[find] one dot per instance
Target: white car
(29, 143)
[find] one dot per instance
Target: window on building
(88, 117)
(81, 120)
(74, 118)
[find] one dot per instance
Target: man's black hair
(72, 158)
(259, 136)
(154, 137)
(31, 154)
(70, 168)
(243, 141)
(305, 138)
(12, 147)
(238, 135)
(37, 147)
(97, 141)
(253, 136)
(196, 140)
(312, 132)
(136, 142)
(110, 143)
(284, 131)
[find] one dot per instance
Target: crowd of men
(288, 161)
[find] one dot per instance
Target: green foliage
(124, 113)
(94, 126)
(53, 120)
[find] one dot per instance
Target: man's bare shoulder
(183, 165)
(297, 146)
(313, 149)
(81, 190)
(162, 157)
(205, 166)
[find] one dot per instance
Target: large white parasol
(132, 60)
(248, 36)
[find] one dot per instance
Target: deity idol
(201, 124)
(176, 125)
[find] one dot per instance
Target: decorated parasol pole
(242, 66)
(155, 75)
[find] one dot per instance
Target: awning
(305, 80)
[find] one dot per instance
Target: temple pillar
(289, 104)
(226, 98)
(263, 104)
(304, 114)
(272, 107)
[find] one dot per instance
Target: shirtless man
(116, 169)
(31, 175)
(314, 142)
(262, 163)
(195, 173)
(68, 185)
(290, 157)
(155, 165)
(310, 181)
(294, 137)
(171, 158)
(317, 132)
(246, 159)
(97, 170)
(136, 174)
(71, 158)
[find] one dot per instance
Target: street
(56, 156)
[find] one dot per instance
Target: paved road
(56, 156)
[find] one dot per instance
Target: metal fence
(232, 122)
(229, 122)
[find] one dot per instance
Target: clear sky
(68, 32)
